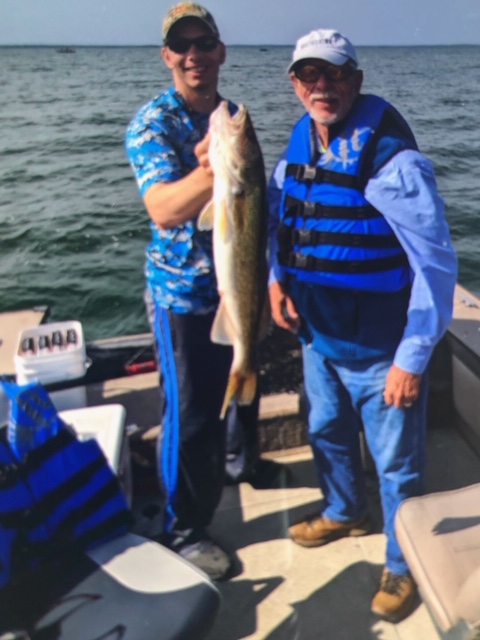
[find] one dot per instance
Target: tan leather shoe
(394, 599)
(317, 531)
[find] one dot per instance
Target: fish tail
(243, 387)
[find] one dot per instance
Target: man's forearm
(173, 203)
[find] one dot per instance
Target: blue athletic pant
(192, 444)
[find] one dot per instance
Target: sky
(138, 22)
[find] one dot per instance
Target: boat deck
(281, 591)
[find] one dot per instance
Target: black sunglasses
(311, 72)
(182, 45)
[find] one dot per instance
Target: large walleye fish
(237, 214)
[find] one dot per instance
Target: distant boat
(263, 49)
(65, 50)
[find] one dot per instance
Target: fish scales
(238, 216)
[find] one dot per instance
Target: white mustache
(327, 95)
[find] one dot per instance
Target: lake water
(73, 225)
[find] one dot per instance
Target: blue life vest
(57, 494)
(329, 234)
(15, 501)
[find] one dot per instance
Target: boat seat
(132, 589)
(439, 535)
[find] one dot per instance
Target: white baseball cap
(324, 44)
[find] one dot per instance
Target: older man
(363, 268)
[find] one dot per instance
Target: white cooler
(65, 364)
(105, 423)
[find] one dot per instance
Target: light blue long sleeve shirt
(404, 190)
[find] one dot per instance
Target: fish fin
(241, 387)
(222, 331)
(206, 217)
(233, 386)
(248, 389)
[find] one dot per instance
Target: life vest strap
(89, 507)
(9, 475)
(306, 209)
(288, 237)
(309, 173)
(296, 260)
(51, 447)
(51, 501)
(13, 519)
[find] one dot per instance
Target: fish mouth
(238, 122)
(240, 116)
(232, 123)
(233, 144)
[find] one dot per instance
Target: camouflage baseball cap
(188, 10)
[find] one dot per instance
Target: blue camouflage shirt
(179, 261)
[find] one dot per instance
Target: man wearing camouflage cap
(165, 142)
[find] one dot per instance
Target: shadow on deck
(281, 591)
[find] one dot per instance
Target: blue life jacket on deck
(58, 495)
(329, 234)
(15, 501)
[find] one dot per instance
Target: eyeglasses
(312, 72)
(182, 45)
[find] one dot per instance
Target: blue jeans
(343, 397)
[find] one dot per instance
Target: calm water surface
(73, 226)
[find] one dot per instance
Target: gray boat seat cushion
(439, 535)
(133, 589)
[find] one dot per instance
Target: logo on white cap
(325, 44)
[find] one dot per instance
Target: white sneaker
(208, 557)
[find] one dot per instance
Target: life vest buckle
(300, 261)
(309, 209)
(302, 236)
(306, 172)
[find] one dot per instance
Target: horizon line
(157, 45)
